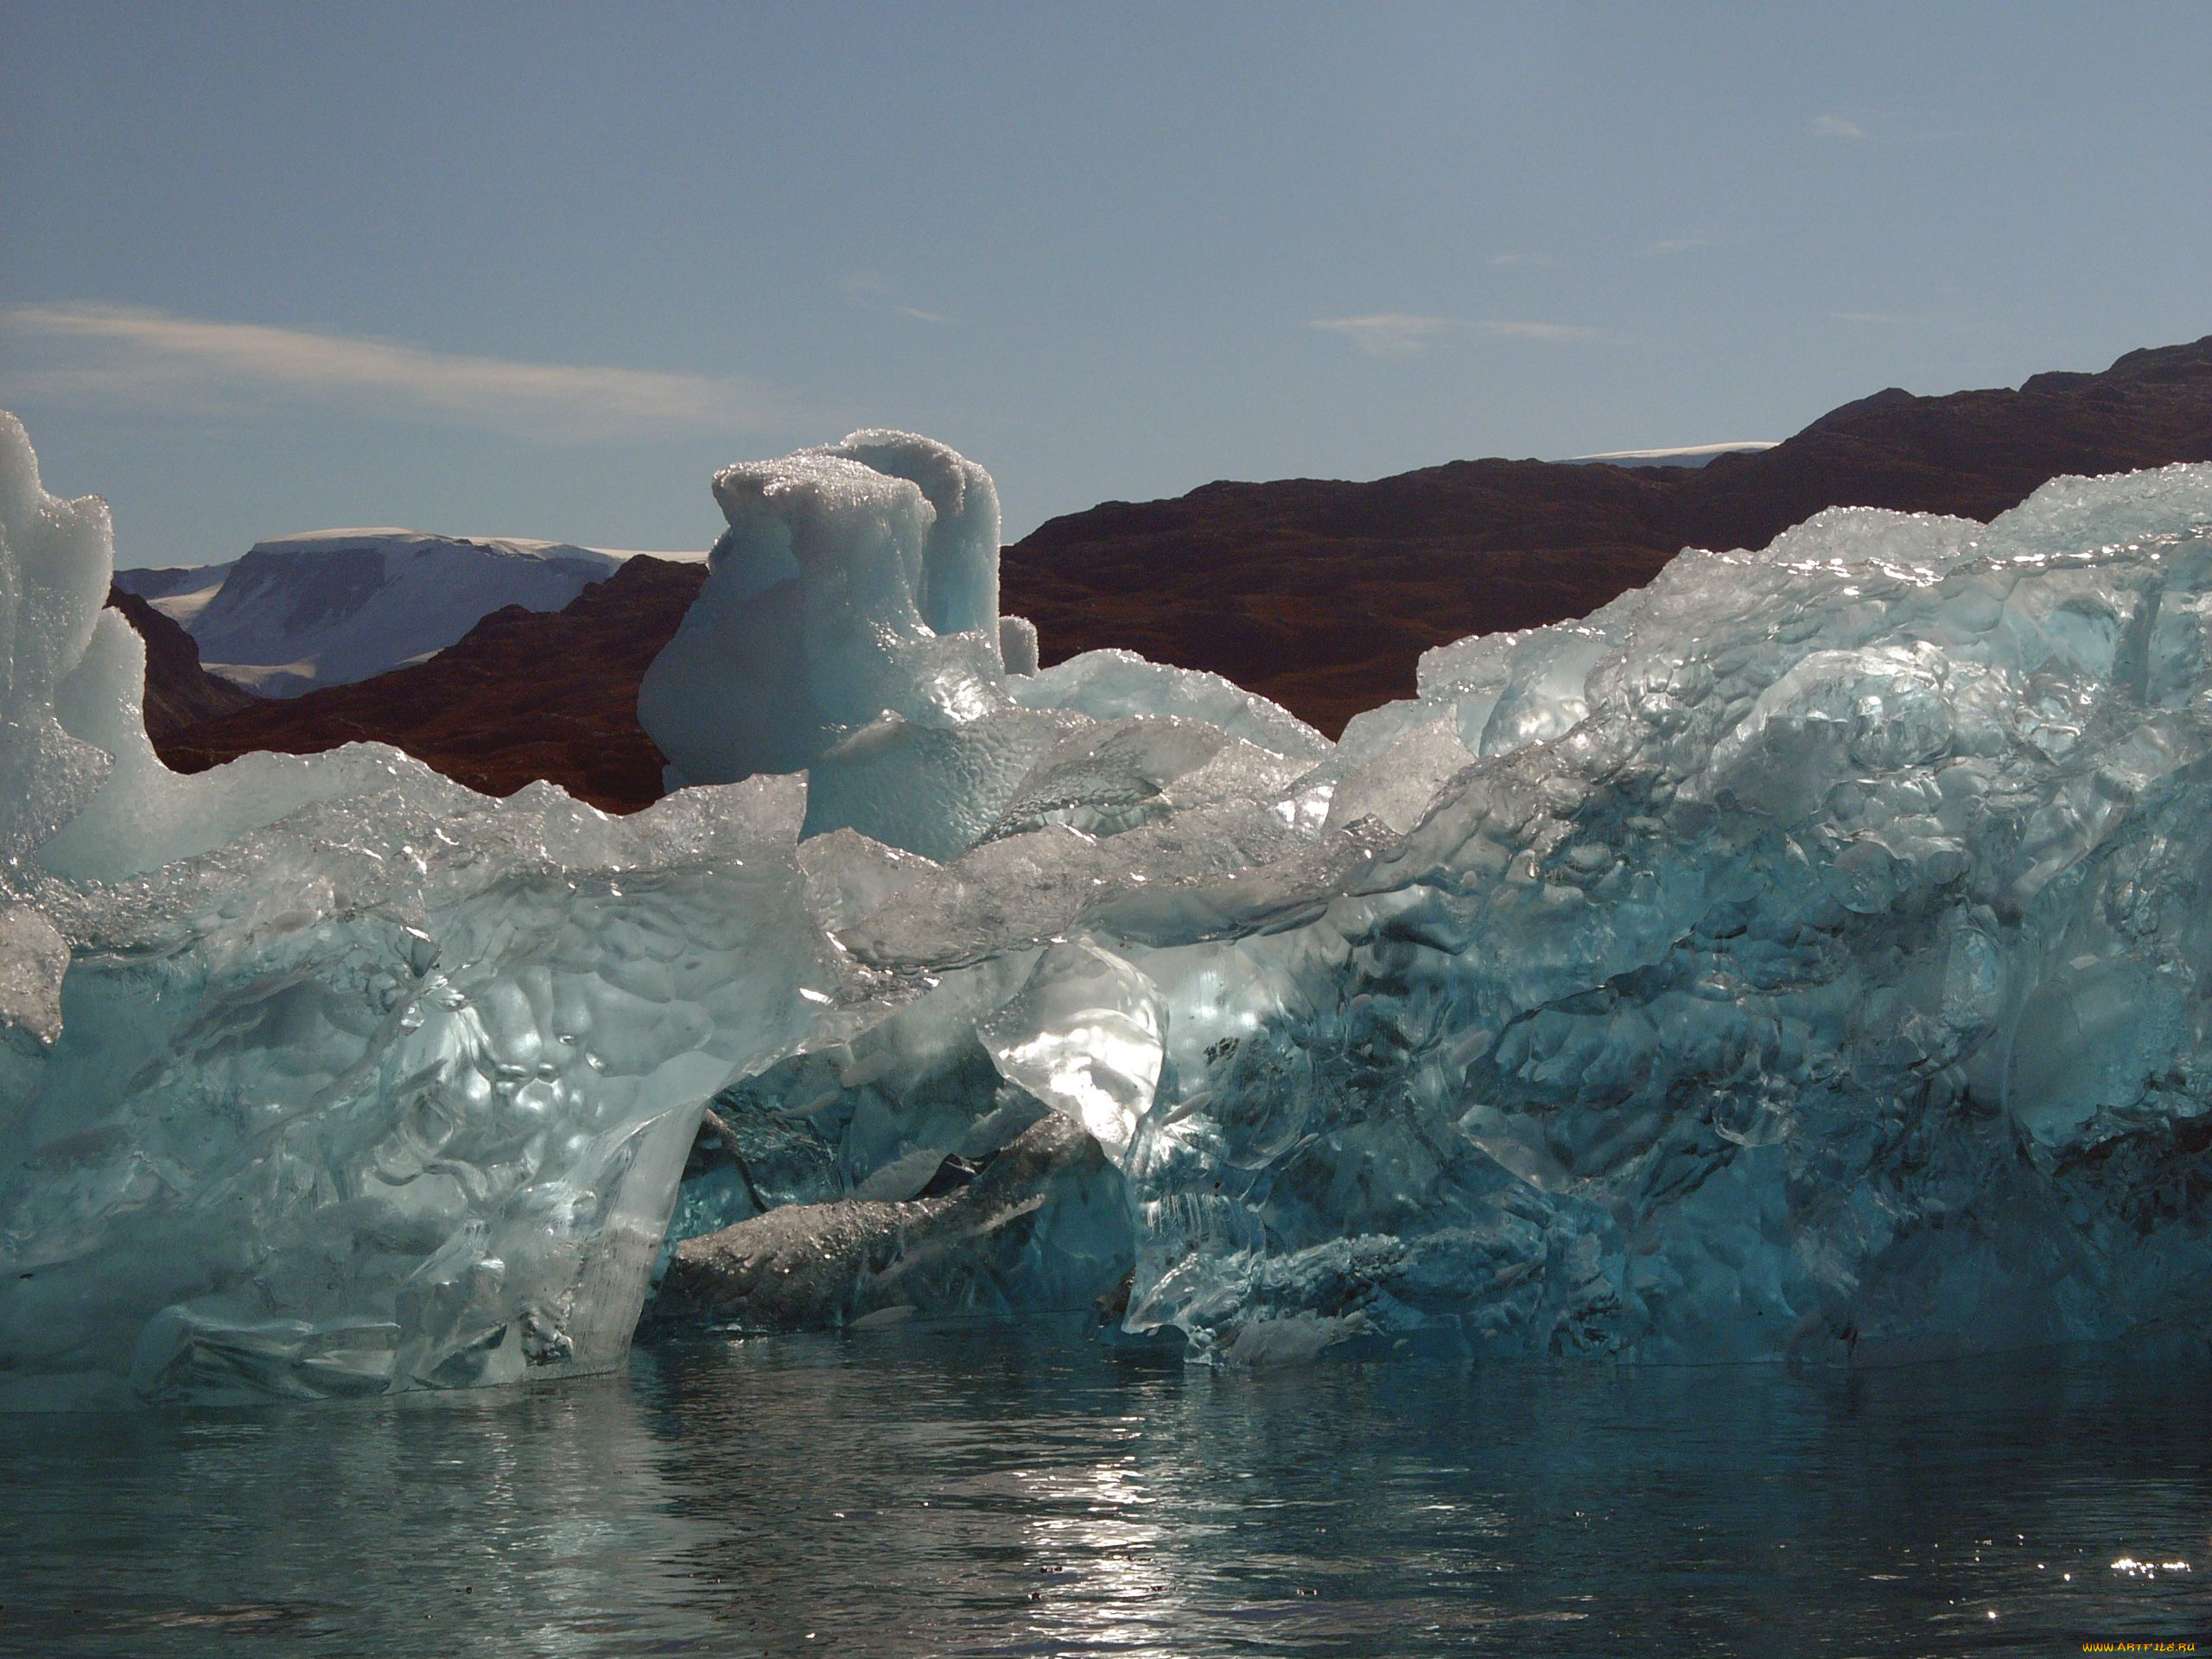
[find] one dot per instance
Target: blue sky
(538, 269)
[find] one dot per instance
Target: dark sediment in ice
(1043, 1225)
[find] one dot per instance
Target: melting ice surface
(1803, 957)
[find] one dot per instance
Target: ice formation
(329, 1076)
(1802, 957)
(849, 628)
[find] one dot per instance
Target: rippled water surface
(915, 1492)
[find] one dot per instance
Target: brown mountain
(1321, 595)
(523, 695)
(179, 694)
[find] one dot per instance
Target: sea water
(915, 1490)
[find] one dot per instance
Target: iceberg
(328, 1076)
(1798, 959)
(1803, 958)
(849, 628)
(1809, 963)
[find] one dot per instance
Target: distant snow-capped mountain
(180, 593)
(336, 606)
(1689, 455)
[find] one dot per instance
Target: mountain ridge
(332, 607)
(523, 695)
(1320, 594)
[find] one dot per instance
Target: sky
(538, 270)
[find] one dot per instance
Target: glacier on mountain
(336, 606)
(1803, 957)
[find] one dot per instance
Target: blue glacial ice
(328, 1076)
(1803, 957)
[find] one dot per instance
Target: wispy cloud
(1555, 333)
(1886, 132)
(112, 353)
(1391, 333)
(879, 293)
(1873, 319)
(1396, 333)
(1520, 259)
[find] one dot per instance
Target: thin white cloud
(878, 293)
(126, 353)
(1520, 259)
(1397, 334)
(1556, 333)
(1883, 132)
(1876, 318)
(1391, 333)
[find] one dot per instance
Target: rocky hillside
(523, 695)
(179, 694)
(1322, 595)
